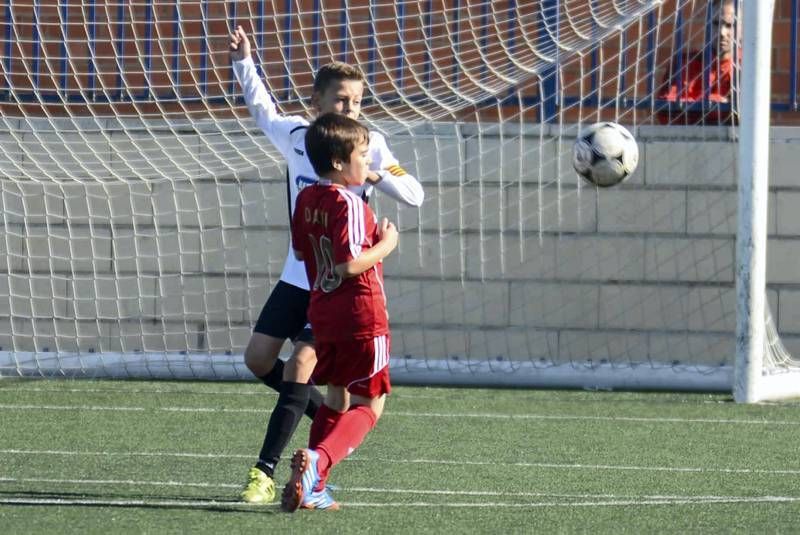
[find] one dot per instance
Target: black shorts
(284, 314)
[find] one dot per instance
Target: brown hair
(332, 136)
(336, 72)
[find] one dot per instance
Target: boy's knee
(337, 398)
(377, 407)
(374, 404)
(305, 356)
(378, 412)
(261, 353)
(301, 364)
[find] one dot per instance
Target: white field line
(129, 454)
(131, 482)
(372, 490)
(70, 408)
(559, 466)
(613, 503)
(592, 418)
(412, 414)
(448, 505)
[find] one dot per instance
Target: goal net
(144, 215)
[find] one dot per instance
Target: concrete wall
(502, 261)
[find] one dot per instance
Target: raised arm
(259, 102)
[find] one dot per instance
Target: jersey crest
(301, 181)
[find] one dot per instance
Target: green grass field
(170, 457)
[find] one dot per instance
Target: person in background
(693, 80)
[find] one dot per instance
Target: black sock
(315, 399)
(274, 378)
(267, 468)
(292, 401)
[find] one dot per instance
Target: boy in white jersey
(338, 88)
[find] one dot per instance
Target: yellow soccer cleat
(260, 487)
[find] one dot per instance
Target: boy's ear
(337, 164)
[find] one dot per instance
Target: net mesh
(144, 214)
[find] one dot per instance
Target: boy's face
(356, 169)
(342, 97)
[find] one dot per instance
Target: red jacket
(690, 85)
(693, 86)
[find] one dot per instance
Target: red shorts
(361, 366)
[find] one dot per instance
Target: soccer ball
(605, 154)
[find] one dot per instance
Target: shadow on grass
(131, 501)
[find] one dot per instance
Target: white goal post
(757, 377)
(144, 216)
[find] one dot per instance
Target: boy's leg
(261, 358)
(274, 325)
(300, 490)
(283, 316)
(337, 401)
(292, 402)
(353, 363)
(348, 433)
(362, 365)
(306, 488)
(295, 398)
(322, 424)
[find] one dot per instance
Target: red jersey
(714, 87)
(693, 86)
(330, 226)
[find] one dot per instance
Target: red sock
(322, 424)
(346, 436)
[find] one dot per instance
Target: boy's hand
(373, 177)
(388, 232)
(240, 45)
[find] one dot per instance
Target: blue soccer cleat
(320, 500)
(305, 477)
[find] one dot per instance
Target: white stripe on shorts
(380, 358)
(381, 354)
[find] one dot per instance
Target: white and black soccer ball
(605, 154)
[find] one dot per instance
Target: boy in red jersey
(342, 244)
(698, 81)
(338, 88)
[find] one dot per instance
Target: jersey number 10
(327, 280)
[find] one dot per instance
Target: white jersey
(287, 134)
